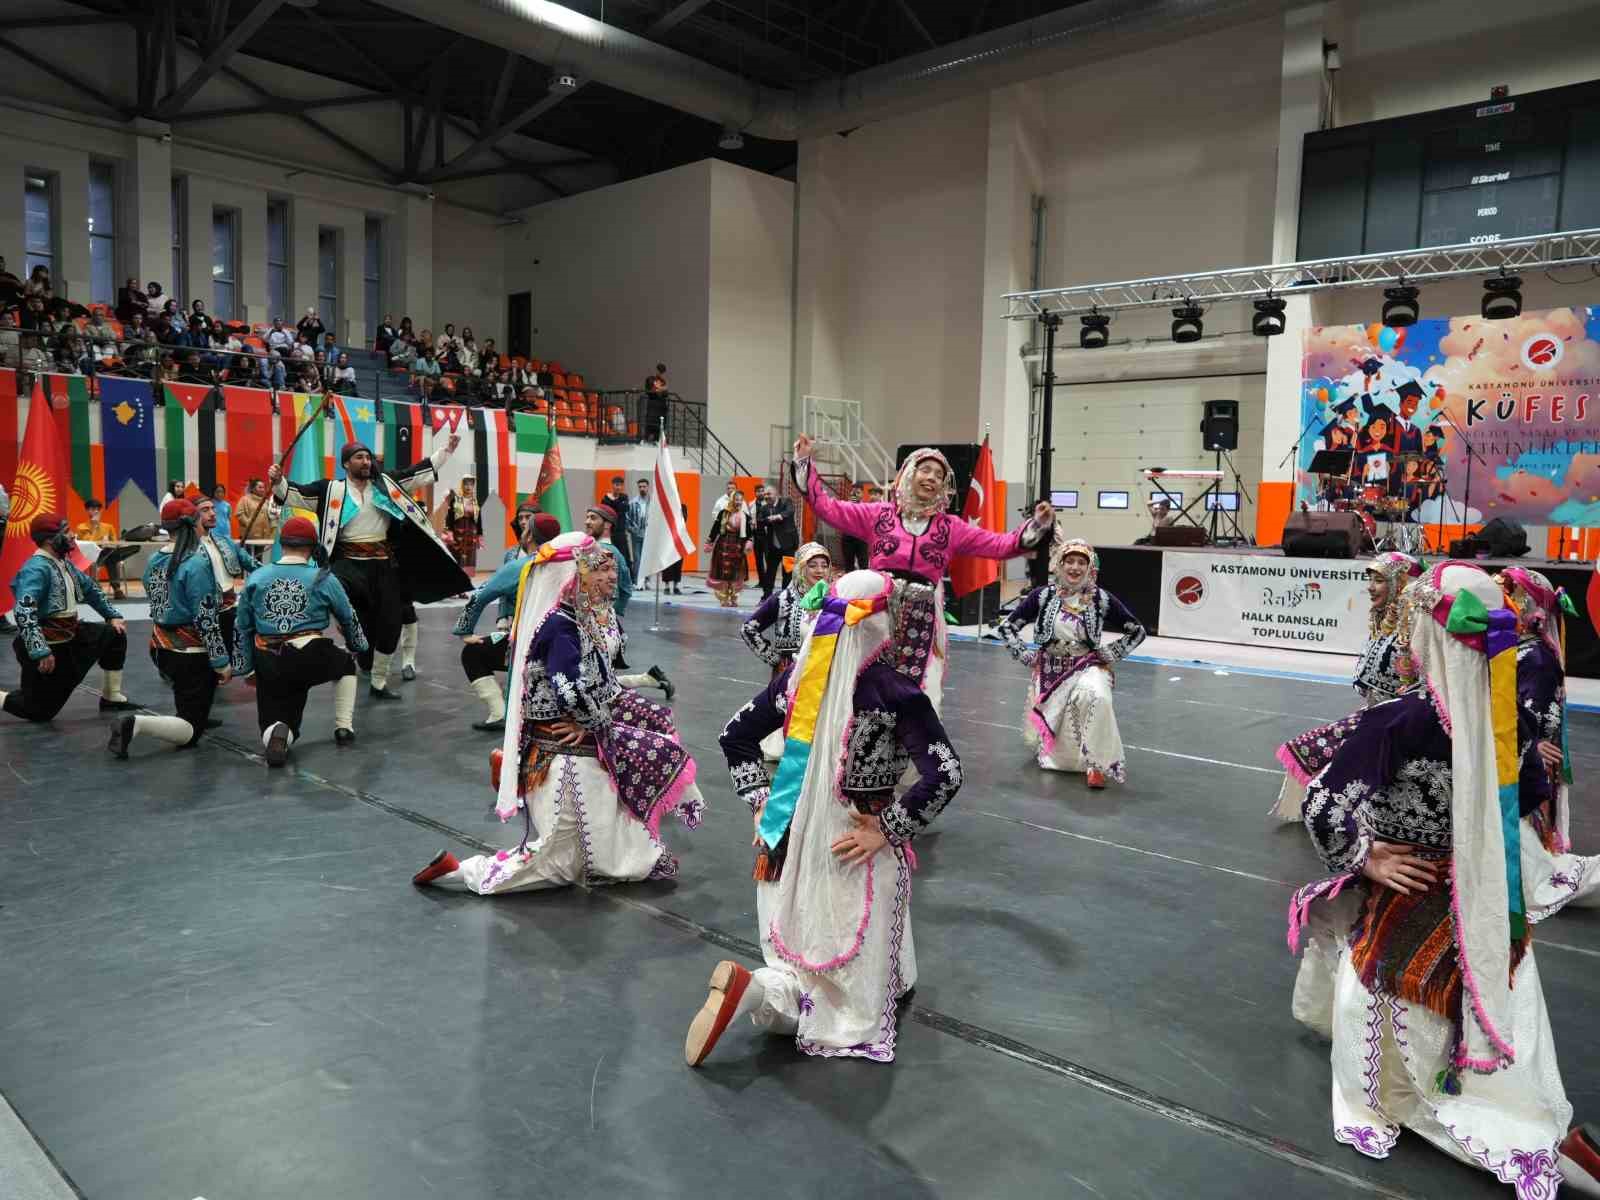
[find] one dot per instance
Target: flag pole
(655, 626)
(983, 589)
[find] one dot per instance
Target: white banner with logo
(1256, 600)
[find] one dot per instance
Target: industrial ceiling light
(1502, 298)
(563, 82)
(1186, 324)
(1096, 331)
(1400, 306)
(731, 139)
(1269, 320)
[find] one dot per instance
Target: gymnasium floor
(219, 982)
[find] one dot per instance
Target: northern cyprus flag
(666, 537)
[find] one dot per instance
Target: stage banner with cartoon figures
(1253, 600)
(1399, 407)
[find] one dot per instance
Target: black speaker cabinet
(1323, 535)
(1220, 427)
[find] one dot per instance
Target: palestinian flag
(190, 425)
(402, 434)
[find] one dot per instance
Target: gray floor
(219, 981)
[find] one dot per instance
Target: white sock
(487, 689)
(112, 688)
(344, 703)
(637, 681)
(169, 729)
(266, 734)
(379, 679)
(408, 645)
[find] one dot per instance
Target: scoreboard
(1478, 173)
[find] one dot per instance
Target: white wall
(469, 273)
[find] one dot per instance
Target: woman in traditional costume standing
(730, 569)
(1379, 676)
(913, 537)
(464, 522)
(596, 786)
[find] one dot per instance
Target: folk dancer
(1419, 963)
(464, 522)
(1070, 720)
(53, 647)
(281, 615)
(833, 844)
(597, 788)
(1552, 876)
(913, 536)
(730, 543)
(231, 564)
(374, 534)
(600, 523)
(185, 634)
(778, 626)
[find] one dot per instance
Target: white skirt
(1550, 881)
(849, 1012)
(1082, 733)
(586, 836)
(1388, 1055)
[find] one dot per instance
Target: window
(328, 279)
(1113, 500)
(372, 273)
(1067, 499)
(278, 259)
(102, 232)
(224, 263)
(176, 289)
(40, 211)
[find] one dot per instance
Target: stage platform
(1135, 574)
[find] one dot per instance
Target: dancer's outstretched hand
(1398, 869)
(803, 445)
(862, 842)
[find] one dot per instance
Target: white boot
(488, 690)
(169, 729)
(111, 688)
(408, 650)
(344, 705)
(379, 679)
(277, 738)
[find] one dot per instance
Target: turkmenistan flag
(190, 425)
(535, 437)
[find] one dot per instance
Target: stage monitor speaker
(1323, 535)
(965, 608)
(1181, 535)
(1220, 427)
(1504, 539)
(963, 458)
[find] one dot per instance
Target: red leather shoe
(1579, 1157)
(496, 759)
(729, 981)
(444, 862)
(1097, 779)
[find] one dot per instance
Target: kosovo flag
(128, 433)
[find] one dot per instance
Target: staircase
(845, 450)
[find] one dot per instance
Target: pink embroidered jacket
(893, 547)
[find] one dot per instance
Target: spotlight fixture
(1502, 298)
(1268, 321)
(563, 83)
(1186, 324)
(1096, 331)
(1400, 306)
(731, 139)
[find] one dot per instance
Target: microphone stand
(1466, 499)
(1315, 417)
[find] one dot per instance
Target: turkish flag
(968, 574)
(40, 486)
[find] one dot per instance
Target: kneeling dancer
(185, 633)
(1420, 964)
(596, 786)
(834, 859)
(282, 612)
(775, 630)
(1070, 718)
(54, 649)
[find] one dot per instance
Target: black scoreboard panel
(1479, 173)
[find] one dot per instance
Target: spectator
(254, 498)
(385, 335)
(523, 376)
(33, 356)
(34, 316)
(329, 348)
(200, 324)
(270, 370)
(496, 392)
(309, 379)
(154, 298)
(424, 342)
(467, 352)
(303, 349)
(530, 399)
(402, 353)
(144, 356)
(10, 340)
(311, 327)
(191, 369)
(131, 301)
(7, 279)
(38, 282)
(635, 520)
(278, 338)
(445, 340)
(426, 368)
(175, 491)
(488, 356)
(230, 341)
(241, 371)
(344, 376)
(219, 499)
(72, 357)
(725, 499)
(655, 402)
(102, 338)
(319, 360)
(169, 324)
(96, 531)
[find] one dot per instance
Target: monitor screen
(1113, 499)
(1064, 499)
(1222, 501)
(1171, 495)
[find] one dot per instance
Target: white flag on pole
(666, 536)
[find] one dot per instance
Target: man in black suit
(775, 536)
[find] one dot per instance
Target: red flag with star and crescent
(982, 508)
(39, 486)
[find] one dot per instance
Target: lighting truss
(1290, 279)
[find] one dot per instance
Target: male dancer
(231, 563)
(372, 530)
(185, 634)
(600, 523)
(282, 613)
(833, 881)
(53, 647)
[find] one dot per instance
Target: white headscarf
(905, 497)
(802, 556)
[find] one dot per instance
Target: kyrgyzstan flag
(666, 536)
(39, 486)
(968, 574)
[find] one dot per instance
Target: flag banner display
(531, 439)
(249, 436)
(10, 424)
(39, 485)
(1524, 393)
(491, 455)
(550, 493)
(446, 421)
(666, 536)
(358, 422)
(190, 426)
(402, 434)
(982, 508)
(128, 432)
(83, 420)
(1291, 603)
(310, 458)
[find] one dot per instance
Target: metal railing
(844, 444)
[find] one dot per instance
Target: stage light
(731, 139)
(1502, 298)
(1400, 306)
(1268, 321)
(1186, 323)
(1096, 331)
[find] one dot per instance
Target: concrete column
(822, 301)
(408, 239)
(199, 199)
(305, 225)
(252, 284)
(1300, 112)
(72, 201)
(353, 318)
(149, 216)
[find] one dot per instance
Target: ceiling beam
(916, 23)
(58, 22)
(502, 89)
(357, 55)
(217, 57)
(75, 81)
(384, 169)
(673, 17)
(502, 130)
(279, 108)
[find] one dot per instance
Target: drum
(1373, 493)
